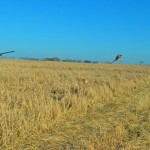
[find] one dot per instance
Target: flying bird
(6, 52)
(118, 58)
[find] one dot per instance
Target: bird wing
(7, 52)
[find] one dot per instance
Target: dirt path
(122, 123)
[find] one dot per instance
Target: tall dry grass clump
(38, 97)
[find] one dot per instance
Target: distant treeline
(58, 59)
(64, 60)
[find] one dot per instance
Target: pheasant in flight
(118, 58)
(6, 52)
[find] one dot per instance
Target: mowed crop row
(38, 97)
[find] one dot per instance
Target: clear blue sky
(76, 29)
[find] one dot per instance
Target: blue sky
(76, 29)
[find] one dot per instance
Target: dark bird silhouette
(6, 52)
(118, 57)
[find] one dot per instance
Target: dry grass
(50, 105)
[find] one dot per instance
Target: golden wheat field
(74, 106)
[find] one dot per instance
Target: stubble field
(56, 105)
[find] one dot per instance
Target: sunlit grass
(38, 98)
